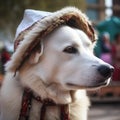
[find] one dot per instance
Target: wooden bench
(108, 93)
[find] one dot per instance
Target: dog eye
(70, 49)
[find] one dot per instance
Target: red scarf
(26, 106)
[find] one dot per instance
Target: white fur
(60, 76)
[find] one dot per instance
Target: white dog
(60, 69)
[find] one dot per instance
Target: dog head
(67, 60)
(55, 54)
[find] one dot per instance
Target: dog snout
(105, 70)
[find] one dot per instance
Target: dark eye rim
(70, 50)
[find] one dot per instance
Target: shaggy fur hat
(37, 24)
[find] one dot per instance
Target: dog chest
(52, 112)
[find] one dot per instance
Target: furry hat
(37, 24)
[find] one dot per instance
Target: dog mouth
(91, 86)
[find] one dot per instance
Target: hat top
(29, 18)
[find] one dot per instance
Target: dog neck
(26, 106)
(51, 91)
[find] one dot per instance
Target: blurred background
(105, 16)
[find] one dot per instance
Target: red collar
(26, 106)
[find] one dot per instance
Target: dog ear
(36, 54)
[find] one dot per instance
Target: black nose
(105, 70)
